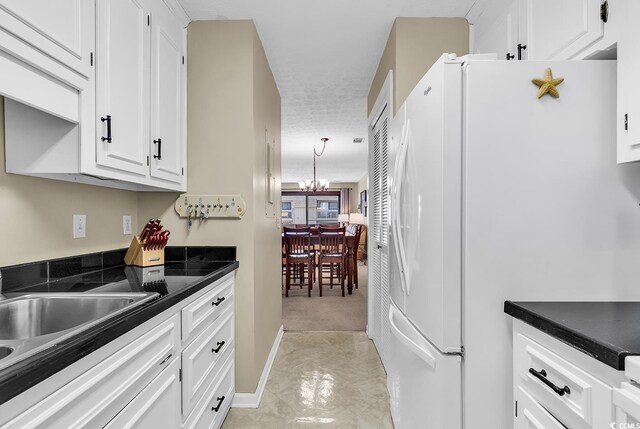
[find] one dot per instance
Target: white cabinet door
(167, 95)
(157, 406)
(531, 415)
(97, 396)
(559, 29)
(626, 401)
(122, 86)
(628, 119)
(62, 28)
(502, 37)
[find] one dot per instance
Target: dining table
(352, 261)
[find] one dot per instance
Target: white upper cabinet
(551, 30)
(122, 85)
(45, 55)
(60, 28)
(140, 90)
(628, 118)
(167, 95)
(559, 30)
(502, 36)
(95, 91)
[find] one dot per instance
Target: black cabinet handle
(521, 48)
(217, 407)
(217, 349)
(542, 376)
(510, 56)
(108, 120)
(218, 301)
(166, 359)
(159, 143)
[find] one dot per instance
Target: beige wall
(413, 46)
(36, 215)
(267, 241)
(232, 97)
(387, 62)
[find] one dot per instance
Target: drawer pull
(166, 359)
(217, 407)
(217, 349)
(218, 301)
(542, 376)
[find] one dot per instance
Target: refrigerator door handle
(419, 351)
(395, 214)
(398, 241)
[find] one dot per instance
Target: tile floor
(321, 380)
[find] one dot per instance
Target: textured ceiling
(324, 54)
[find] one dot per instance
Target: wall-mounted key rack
(203, 207)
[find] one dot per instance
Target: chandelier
(315, 184)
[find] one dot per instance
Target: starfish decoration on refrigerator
(548, 84)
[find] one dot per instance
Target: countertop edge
(604, 353)
(23, 375)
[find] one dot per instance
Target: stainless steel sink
(5, 351)
(34, 316)
(34, 322)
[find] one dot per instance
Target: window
(327, 209)
(310, 208)
(287, 213)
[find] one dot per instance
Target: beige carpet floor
(331, 312)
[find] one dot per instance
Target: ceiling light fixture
(315, 184)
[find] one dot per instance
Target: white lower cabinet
(201, 361)
(153, 379)
(626, 401)
(531, 415)
(92, 399)
(557, 386)
(155, 406)
(212, 408)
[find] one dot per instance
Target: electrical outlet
(126, 225)
(79, 226)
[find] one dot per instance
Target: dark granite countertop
(192, 270)
(606, 331)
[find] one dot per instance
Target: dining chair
(298, 254)
(333, 252)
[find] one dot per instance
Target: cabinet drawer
(575, 406)
(155, 407)
(531, 415)
(203, 359)
(203, 311)
(212, 408)
(95, 397)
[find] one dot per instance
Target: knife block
(138, 256)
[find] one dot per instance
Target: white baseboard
(252, 400)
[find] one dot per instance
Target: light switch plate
(79, 226)
(126, 225)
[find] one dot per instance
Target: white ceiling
(324, 54)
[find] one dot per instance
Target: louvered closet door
(379, 263)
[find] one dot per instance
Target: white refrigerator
(498, 195)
